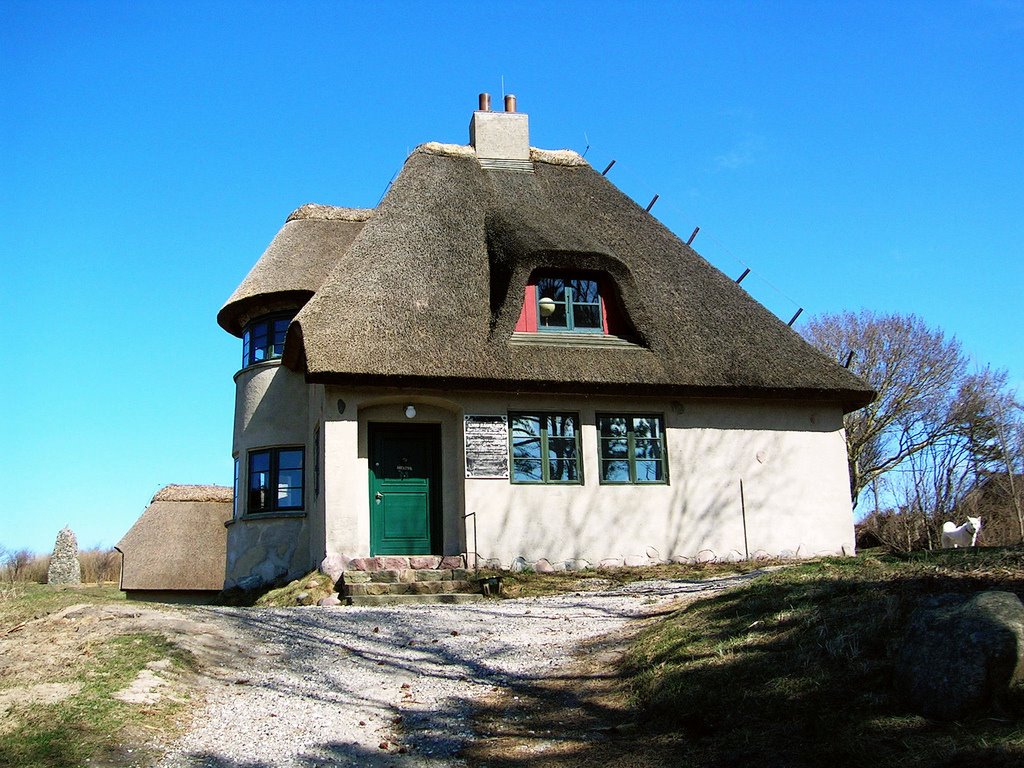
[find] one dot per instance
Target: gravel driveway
(393, 686)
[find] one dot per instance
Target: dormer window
(569, 304)
(573, 304)
(263, 339)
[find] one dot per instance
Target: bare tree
(917, 372)
(993, 421)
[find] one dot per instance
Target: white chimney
(500, 135)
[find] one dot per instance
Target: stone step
(452, 599)
(405, 576)
(411, 588)
(401, 562)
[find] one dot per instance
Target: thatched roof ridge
(557, 156)
(193, 493)
(449, 150)
(431, 290)
(329, 213)
(551, 156)
(295, 263)
(179, 543)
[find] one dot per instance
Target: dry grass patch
(795, 668)
(85, 678)
(531, 584)
(82, 719)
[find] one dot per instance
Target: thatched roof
(294, 264)
(179, 542)
(429, 293)
(193, 493)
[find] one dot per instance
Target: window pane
(527, 470)
(259, 482)
(290, 459)
(526, 449)
(289, 498)
(562, 448)
(562, 470)
(647, 449)
(557, 318)
(551, 288)
(561, 425)
(649, 472)
(259, 462)
(615, 448)
(584, 291)
(615, 471)
(586, 316)
(280, 329)
(289, 478)
(647, 426)
(612, 426)
(246, 348)
(526, 437)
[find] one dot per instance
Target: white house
(509, 359)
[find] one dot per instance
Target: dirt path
(578, 717)
(502, 683)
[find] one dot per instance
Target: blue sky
(853, 154)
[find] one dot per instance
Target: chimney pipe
(510, 102)
(485, 102)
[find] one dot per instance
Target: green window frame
(276, 480)
(544, 448)
(631, 449)
(569, 305)
(263, 339)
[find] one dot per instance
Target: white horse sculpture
(965, 535)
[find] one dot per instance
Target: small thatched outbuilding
(176, 549)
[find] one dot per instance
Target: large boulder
(960, 655)
(65, 567)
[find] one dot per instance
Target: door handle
(378, 496)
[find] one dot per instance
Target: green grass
(24, 601)
(794, 669)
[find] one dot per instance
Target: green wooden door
(404, 489)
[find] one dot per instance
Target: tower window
(263, 339)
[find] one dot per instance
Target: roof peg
(694, 234)
(745, 273)
(849, 359)
(799, 311)
(485, 102)
(607, 168)
(651, 204)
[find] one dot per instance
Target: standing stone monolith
(64, 565)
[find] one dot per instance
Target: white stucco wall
(790, 457)
(271, 410)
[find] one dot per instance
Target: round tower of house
(274, 440)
